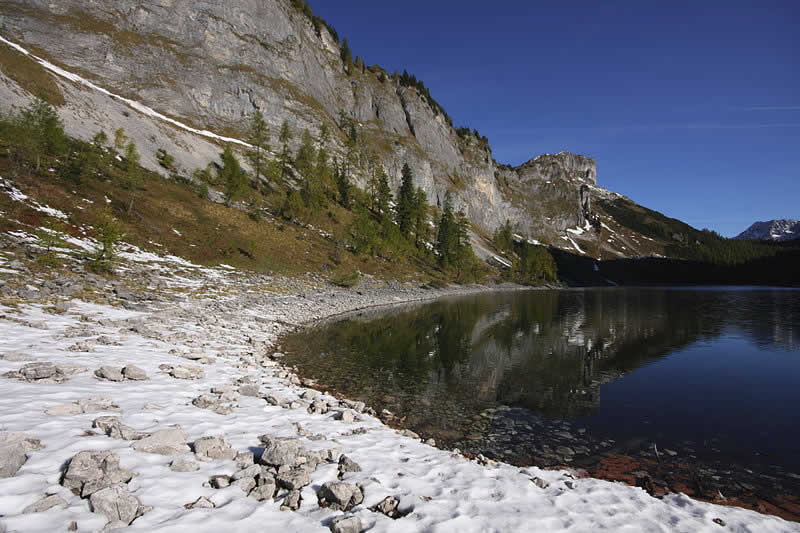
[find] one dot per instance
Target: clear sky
(691, 108)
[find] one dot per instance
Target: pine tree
(405, 201)
(120, 139)
(231, 175)
(446, 237)
(343, 184)
(259, 139)
(285, 156)
(420, 217)
(504, 237)
(132, 171)
(347, 54)
(384, 196)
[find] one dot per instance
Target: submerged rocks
(91, 471)
(340, 496)
(170, 441)
(14, 449)
(134, 373)
(109, 373)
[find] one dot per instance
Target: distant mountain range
(773, 230)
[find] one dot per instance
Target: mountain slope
(772, 230)
(212, 65)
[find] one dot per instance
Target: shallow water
(555, 377)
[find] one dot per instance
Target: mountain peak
(773, 230)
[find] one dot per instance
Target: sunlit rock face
(213, 64)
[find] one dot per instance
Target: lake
(697, 386)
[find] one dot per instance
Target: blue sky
(692, 109)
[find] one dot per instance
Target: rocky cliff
(212, 64)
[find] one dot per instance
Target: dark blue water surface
(708, 374)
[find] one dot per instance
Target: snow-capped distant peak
(773, 230)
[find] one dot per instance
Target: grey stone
(339, 496)
(295, 479)
(251, 471)
(276, 399)
(187, 372)
(200, 503)
(244, 459)
(39, 371)
(220, 482)
(539, 482)
(134, 373)
(279, 451)
(348, 465)
(110, 373)
(410, 434)
(346, 524)
(247, 484)
(249, 390)
(389, 507)
(211, 448)
(265, 489)
(64, 410)
(346, 416)
(14, 449)
(90, 471)
(292, 501)
(44, 504)
(97, 404)
(111, 426)
(116, 503)
(184, 465)
(169, 441)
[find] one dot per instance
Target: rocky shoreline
(155, 399)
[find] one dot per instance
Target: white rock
(169, 441)
(14, 449)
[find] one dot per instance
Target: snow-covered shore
(219, 326)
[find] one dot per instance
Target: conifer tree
(447, 234)
(347, 54)
(384, 196)
(231, 175)
(259, 139)
(132, 171)
(405, 201)
(343, 184)
(285, 156)
(420, 217)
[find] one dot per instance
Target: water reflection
(445, 365)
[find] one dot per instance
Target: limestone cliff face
(213, 63)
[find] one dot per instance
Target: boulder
(211, 448)
(247, 484)
(91, 471)
(117, 504)
(346, 416)
(134, 373)
(220, 482)
(340, 496)
(251, 471)
(292, 501)
(110, 373)
(280, 451)
(14, 449)
(347, 465)
(169, 441)
(44, 504)
(265, 488)
(96, 404)
(346, 524)
(295, 479)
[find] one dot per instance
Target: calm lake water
(554, 377)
